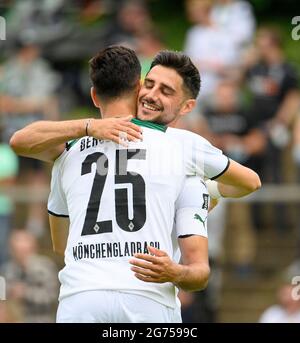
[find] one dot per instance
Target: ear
(187, 107)
(137, 90)
(95, 97)
(138, 86)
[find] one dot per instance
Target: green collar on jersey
(149, 124)
(71, 143)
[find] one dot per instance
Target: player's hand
(158, 267)
(118, 130)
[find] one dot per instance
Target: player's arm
(238, 181)
(59, 228)
(45, 140)
(194, 271)
(209, 162)
(190, 227)
(192, 275)
(192, 208)
(58, 211)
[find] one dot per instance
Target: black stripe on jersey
(57, 215)
(185, 236)
(71, 143)
(227, 166)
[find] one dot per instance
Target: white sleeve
(192, 208)
(200, 156)
(57, 204)
(206, 160)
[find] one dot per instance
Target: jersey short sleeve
(215, 163)
(57, 204)
(192, 208)
(201, 157)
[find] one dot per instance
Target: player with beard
(103, 233)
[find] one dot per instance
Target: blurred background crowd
(249, 106)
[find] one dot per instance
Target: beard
(159, 117)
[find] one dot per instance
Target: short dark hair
(114, 72)
(183, 65)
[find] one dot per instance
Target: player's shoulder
(187, 135)
(153, 131)
(156, 135)
(69, 146)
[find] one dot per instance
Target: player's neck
(119, 108)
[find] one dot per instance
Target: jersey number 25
(122, 176)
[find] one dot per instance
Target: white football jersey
(120, 200)
(200, 156)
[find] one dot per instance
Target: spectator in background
(209, 47)
(196, 307)
(90, 10)
(132, 19)
(31, 279)
(40, 21)
(148, 44)
(7, 315)
(8, 172)
(234, 131)
(273, 83)
(287, 309)
(236, 18)
(296, 140)
(28, 88)
(296, 158)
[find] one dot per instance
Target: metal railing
(269, 193)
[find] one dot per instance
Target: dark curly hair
(114, 72)
(183, 65)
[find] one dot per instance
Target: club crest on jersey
(96, 227)
(131, 226)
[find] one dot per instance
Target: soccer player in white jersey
(206, 168)
(170, 88)
(121, 202)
